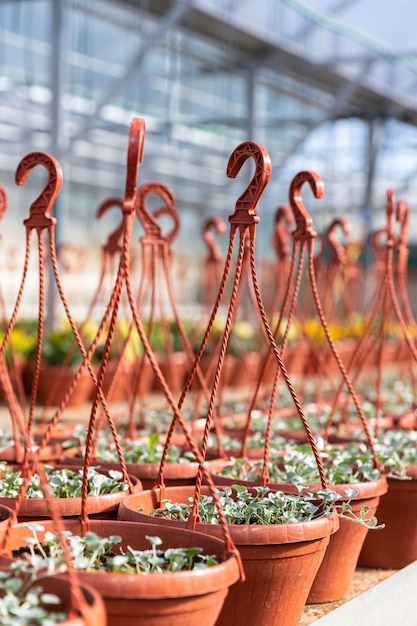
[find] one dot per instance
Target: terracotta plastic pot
(121, 381)
(245, 369)
(279, 572)
(234, 426)
(5, 515)
(334, 577)
(62, 432)
(296, 358)
(15, 369)
(175, 474)
(174, 368)
(226, 376)
(395, 546)
(352, 430)
(408, 421)
(54, 382)
(94, 611)
(280, 561)
(103, 505)
(176, 598)
(92, 608)
(143, 377)
(254, 454)
(345, 349)
(51, 452)
(392, 352)
(227, 481)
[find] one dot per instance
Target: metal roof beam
(344, 93)
(206, 19)
(310, 26)
(175, 14)
(375, 135)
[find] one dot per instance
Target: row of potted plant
(144, 574)
(274, 525)
(59, 351)
(265, 508)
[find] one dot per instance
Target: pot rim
(257, 534)
(149, 586)
(71, 506)
(366, 489)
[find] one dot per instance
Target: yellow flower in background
(314, 330)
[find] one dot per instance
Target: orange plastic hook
(217, 224)
(390, 212)
(321, 248)
(281, 234)
(390, 202)
(378, 248)
(245, 208)
(148, 219)
(134, 158)
(3, 201)
(113, 244)
(39, 210)
(402, 215)
(304, 223)
(339, 250)
(173, 215)
(283, 213)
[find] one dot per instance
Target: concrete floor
(390, 603)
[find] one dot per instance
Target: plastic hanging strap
(39, 219)
(124, 277)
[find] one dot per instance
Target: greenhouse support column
(57, 137)
(251, 75)
(250, 103)
(371, 147)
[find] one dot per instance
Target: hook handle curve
(134, 158)
(114, 240)
(148, 219)
(390, 202)
(281, 234)
(3, 201)
(213, 223)
(338, 249)
(402, 215)
(245, 208)
(390, 210)
(378, 248)
(304, 223)
(41, 207)
(173, 215)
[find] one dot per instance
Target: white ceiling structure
(327, 85)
